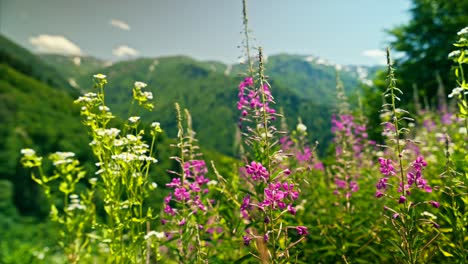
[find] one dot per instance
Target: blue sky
(342, 31)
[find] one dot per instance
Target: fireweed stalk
(77, 216)
(187, 207)
(351, 141)
(268, 205)
(124, 160)
(404, 186)
(304, 157)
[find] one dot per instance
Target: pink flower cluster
(414, 178)
(303, 156)
(279, 196)
(251, 100)
(190, 190)
(347, 186)
(344, 128)
(257, 171)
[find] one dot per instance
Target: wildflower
(155, 124)
(158, 235)
(247, 240)
(386, 167)
(454, 54)
(62, 158)
(302, 230)
(28, 152)
(134, 119)
(434, 204)
(140, 85)
(301, 128)
(175, 183)
(463, 31)
(103, 108)
(456, 91)
(181, 194)
(148, 95)
(245, 203)
(291, 209)
(402, 199)
(257, 171)
(99, 76)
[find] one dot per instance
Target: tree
(425, 41)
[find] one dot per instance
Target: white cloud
(125, 51)
(55, 44)
(119, 24)
(378, 55)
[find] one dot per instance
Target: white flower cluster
(28, 152)
(75, 203)
(463, 31)
(87, 97)
(301, 128)
(104, 108)
(99, 76)
(62, 158)
(129, 157)
(455, 92)
(134, 119)
(454, 54)
(158, 235)
(109, 132)
(148, 95)
(140, 85)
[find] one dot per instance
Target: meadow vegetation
(391, 185)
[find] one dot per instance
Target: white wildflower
(62, 157)
(301, 128)
(212, 183)
(140, 84)
(154, 185)
(148, 95)
(93, 180)
(74, 196)
(455, 92)
(99, 76)
(134, 119)
(454, 54)
(124, 156)
(463, 31)
(28, 152)
(103, 108)
(131, 137)
(158, 235)
(155, 124)
(119, 142)
(110, 132)
(462, 130)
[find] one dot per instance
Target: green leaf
(445, 253)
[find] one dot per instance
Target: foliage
(425, 42)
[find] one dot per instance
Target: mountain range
(37, 91)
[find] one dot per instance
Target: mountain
(303, 86)
(71, 67)
(29, 64)
(34, 115)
